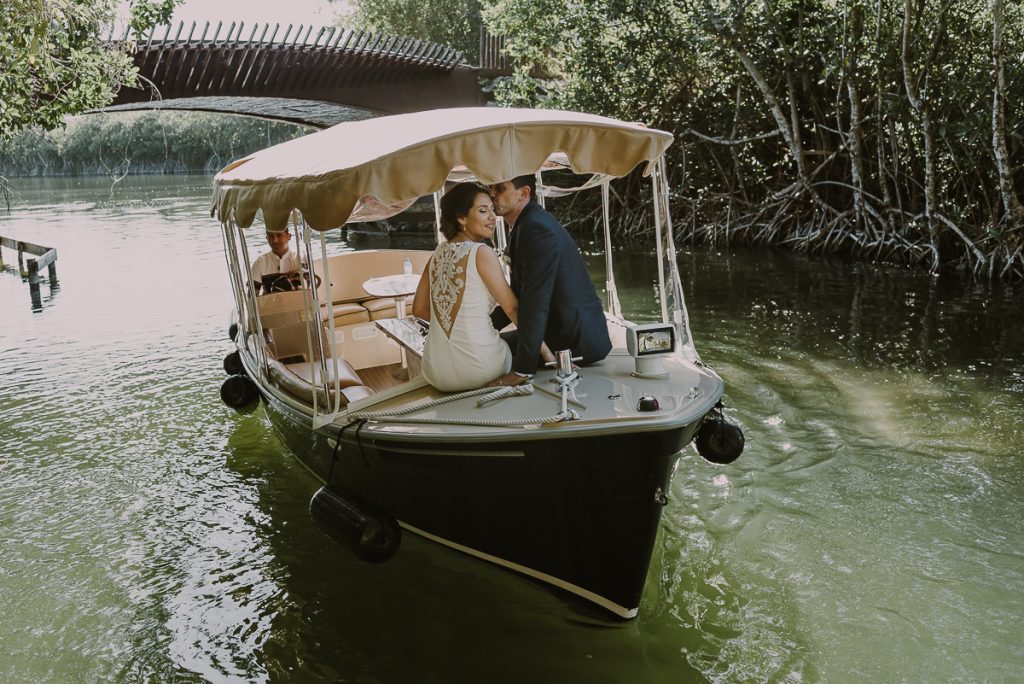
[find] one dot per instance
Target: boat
(564, 479)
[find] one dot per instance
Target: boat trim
(489, 453)
(621, 611)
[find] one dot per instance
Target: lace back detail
(448, 282)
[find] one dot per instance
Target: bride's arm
(421, 301)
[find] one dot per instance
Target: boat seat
(347, 313)
(384, 307)
(349, 270)
(285, 377)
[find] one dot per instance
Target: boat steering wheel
(286, 282)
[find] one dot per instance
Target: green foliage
(55, 62)
(710, 71)
(148, 142)
(452, 22)
(146, 15)
(632, 60)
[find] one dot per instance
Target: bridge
(317, 79)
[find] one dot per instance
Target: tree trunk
(794, 139)
(736, 164)
(1011, 204)
(792, 142)
(883, 171)
(855, 137)
(921, 107)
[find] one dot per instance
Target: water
(870, 532)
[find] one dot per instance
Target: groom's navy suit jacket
(557, 302)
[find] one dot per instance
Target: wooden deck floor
(381, 377)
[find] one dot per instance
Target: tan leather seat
(384, 307)
(349, 270)
(346, 313)
(286, 378)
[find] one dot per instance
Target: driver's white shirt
(271, 263)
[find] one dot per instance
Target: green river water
(872, 530)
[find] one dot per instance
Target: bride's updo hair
(456, 204)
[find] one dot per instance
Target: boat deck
(607, 399)
(381, 377)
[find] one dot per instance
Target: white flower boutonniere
(506, 260)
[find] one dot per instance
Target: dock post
(47, 256)
(33, 280)
(33, 274)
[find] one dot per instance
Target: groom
(557, 302)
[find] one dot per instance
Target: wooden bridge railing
(492, 53)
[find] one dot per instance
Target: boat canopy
(373, 169)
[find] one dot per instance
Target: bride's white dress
(462, 350)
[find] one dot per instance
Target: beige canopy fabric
(375, 168)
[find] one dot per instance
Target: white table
(398, 286)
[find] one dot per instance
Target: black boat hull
(581, 513)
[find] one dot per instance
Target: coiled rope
(491, 395)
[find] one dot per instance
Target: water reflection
(37, 300)
(883, 408)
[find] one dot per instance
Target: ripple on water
(870, 531)
(737, 633)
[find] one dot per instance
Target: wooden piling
(47, 258)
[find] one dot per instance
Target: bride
(458, 290)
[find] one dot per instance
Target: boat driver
(280, 259)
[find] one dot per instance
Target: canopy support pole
(614, 307)
(335, 399)
(231, 257)
(314, 324)
(439, 237)
(252, 315)
(655, 189)
(679, 315)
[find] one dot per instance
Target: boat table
(409, 336)
(399, 287)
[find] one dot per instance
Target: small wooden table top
(393, 285)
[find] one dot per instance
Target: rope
(492, 395)
(503, 392)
